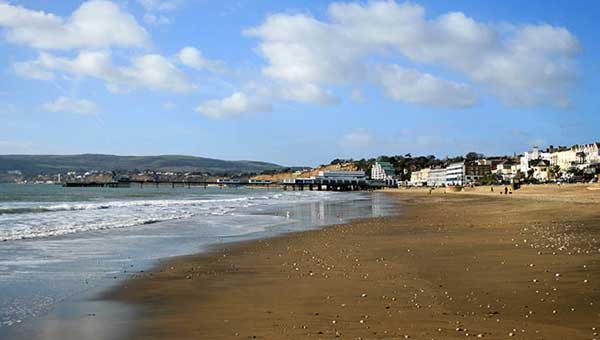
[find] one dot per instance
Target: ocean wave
(66, 228)
(26, 220)
(34, 207)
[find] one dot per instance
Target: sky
(297, 82)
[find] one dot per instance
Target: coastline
(451, 265)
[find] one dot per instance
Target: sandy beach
(449, 266)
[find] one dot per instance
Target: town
(578, 163)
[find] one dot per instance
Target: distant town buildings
(580, 162)
(459, 173)
(553, 163)
(560, 159)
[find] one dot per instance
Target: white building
(587, 153)
(437, 178)
(541, 170)
(382, 171)
(579, 155)
(349, 175)
(533, 155)
(419, 178)
(507, 170)
(564, 159)
(455, 174)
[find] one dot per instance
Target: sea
(60, 244)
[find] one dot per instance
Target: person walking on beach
(506, 190)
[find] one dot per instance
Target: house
(506, 170)
(533, 155)
(541, 170)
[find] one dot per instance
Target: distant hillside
(51, 164)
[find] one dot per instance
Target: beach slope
(449, 266)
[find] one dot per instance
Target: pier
(298, 184)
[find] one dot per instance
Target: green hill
(51, 164)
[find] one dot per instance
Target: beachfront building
(534, 155)
(383, 171)
(577, 156)
(437, 178)
(564, 159)
(541, 170)
(464, 173)
(506, 170)
(474, 172)
(587, 154)
(455, 173)
(342, 175)
(259, 181)
(419, 178)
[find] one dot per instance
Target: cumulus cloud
(306, 93)
(233, 106)
(529, 64)
(410, 85)
(192, 57)
(71, 105)
(151, 71)
(95, 24)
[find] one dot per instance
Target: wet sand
(524, 266)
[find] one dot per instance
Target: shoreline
(452, 265)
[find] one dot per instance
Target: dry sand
(524, 266)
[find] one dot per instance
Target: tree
(554, 172)
(489, 179)
(472, 156)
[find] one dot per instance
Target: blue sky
(297, 82)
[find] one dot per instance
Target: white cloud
(71, 105)
(159, 5)
(32, 69)
(531, 64)
(358, 138)
(156, 11)
(156, 19)
(151, 71)
(233, 106)
(306, 93)
(410, 85)
(95, 24)
(192, 57)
